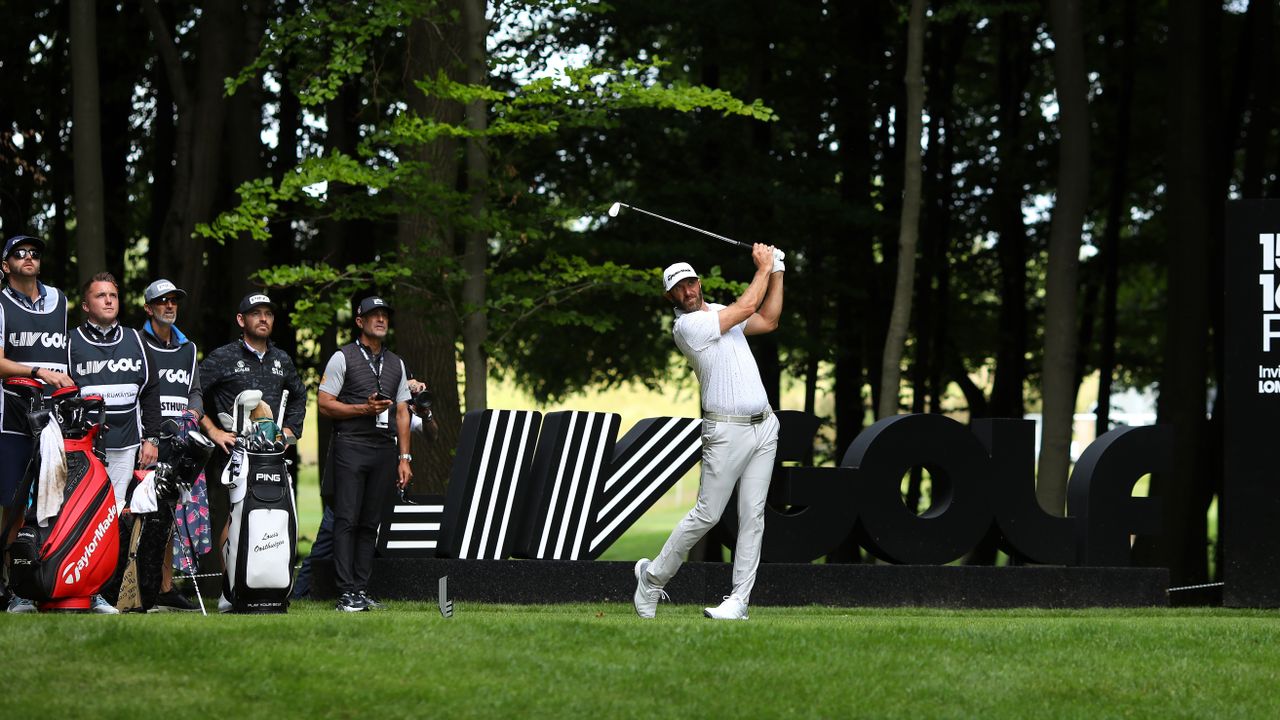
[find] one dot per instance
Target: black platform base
(534, 582)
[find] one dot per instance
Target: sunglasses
(165, 301)
(24, 253)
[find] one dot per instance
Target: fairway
(600, 661)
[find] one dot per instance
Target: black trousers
(362, 477)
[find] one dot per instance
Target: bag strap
(24, 491)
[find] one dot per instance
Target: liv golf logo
(1269, 375)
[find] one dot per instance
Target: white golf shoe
(647, 595)
(731, 609)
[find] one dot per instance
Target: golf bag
(60, 566)
(261, 545)
(182, 454)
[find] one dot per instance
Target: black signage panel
(1249, 514)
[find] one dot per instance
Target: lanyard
(376, 368)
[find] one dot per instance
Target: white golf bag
(261, 544)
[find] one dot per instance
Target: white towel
(53, 473)
(143, 499)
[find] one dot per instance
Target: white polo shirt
(726, 370)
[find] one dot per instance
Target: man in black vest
(107, 359)
(250, 362)
(363, 387)
(178, 375)
(33, 343)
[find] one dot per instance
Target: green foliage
(327, 43)
(540, 281)
(325, 289)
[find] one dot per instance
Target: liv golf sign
(564, 487)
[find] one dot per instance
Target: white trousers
(120, 466)
(732, 455)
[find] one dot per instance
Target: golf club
(613, 212)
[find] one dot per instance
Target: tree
(1070, 202)
(475, 325)
(86, 127)
(900, 318)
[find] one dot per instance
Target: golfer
(739, 429)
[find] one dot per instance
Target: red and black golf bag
(61, 565)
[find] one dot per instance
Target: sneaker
(224, 605)
(172, 601)
(98, 605)
(21, 605)
(369, 602)
(731, 609)
(647, 594)
(351, 602)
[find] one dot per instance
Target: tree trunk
(244, 161)
(1011, 252)
(1064, 253)
(428, 323)
(852, 252)
(1110, 256)
(475, 319)
(198, 162)
(86, 138)
(908, 233)
(1184, 380)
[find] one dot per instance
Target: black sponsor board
(1250, 504)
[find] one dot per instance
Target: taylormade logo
(71, 573)
(178, 377)
(37, 339)
(93, 367)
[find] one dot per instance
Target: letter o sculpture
(960, 514)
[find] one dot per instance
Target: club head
(614, 208)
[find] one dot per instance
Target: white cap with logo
(675, 273)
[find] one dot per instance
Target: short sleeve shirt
(336, 372)
(727, 372)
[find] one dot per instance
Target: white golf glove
(778, 265)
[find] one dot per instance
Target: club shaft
(686, 225)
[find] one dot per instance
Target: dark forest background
(459, 156)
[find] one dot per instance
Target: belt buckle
(757, 418)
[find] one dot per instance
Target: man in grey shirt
(365, 392)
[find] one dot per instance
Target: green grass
(600, 661)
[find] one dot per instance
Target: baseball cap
(253, 300)
(372, 303)
(17, 240)
(159, 289)
(675, 273)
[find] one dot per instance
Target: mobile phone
(383, 396)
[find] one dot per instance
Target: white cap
(675, 273)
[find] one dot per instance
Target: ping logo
(93, 367)
(268, 477)
(37, 339)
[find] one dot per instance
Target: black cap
(253, 300)
(17, 240)
(372, 303)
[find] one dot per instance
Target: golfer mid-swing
(739, 430)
